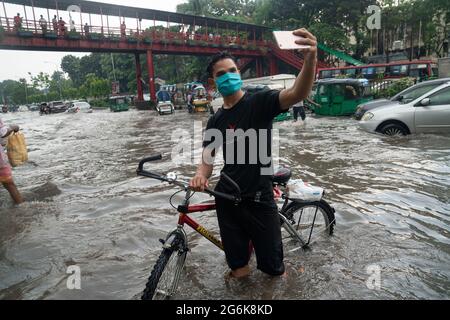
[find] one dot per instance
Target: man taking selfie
(255, 219)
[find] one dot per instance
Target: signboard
(115, 87)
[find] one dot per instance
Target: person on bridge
(123, 30)
(5, 169)
(86, 29)
(249, 116)
(62, 27)
(55, 24)
(43, 24)
(72, 26)
(17, 22)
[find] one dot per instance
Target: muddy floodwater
(87, 208)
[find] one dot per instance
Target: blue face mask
(229, 83)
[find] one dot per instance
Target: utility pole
(26, 91)
(420, 35)
(411, 53)
(59, 82)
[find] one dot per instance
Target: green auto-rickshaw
(339, 97)
(119, 103)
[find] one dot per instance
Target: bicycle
(165, 275)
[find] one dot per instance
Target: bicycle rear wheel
(312, 221)
(165, 276)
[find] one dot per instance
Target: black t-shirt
(246, 152)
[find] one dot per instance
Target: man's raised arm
(305, 80)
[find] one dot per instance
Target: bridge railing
(31, 28)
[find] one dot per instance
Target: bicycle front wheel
(165, 276)
(311, 221)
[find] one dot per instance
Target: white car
(165, 107)
(80, 106)
(429, 113)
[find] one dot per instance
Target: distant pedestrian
(55, 24)
(123, 30)
(17, 22)
(62, 27)
(298, 108)
(43, 24)
(5, 169)
(86, 29)
(189, 102)
(72, 26)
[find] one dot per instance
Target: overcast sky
(16, 64)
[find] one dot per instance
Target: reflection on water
(86, 207)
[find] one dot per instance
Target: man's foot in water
(238, 273)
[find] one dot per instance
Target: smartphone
(286, 40)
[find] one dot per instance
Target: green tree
(95, 87)
(41, 81)
(71, 65)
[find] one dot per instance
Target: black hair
(216, 58)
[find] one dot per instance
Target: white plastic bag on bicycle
(300, 190)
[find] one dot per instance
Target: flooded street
(87, 208)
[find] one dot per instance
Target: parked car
(80, 106)
(33, 107)
(408, 94)
(57, 107)
(429, 112)
(23, 108)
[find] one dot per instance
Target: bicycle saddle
(282, 176)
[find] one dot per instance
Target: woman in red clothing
(5, 169)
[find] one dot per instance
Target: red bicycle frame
(185, 219)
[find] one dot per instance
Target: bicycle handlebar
(141, 172)
(149, 159)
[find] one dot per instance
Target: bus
(418, 69)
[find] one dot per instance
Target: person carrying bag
(17, 149)
(6, 178)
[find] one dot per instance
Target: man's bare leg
(241, 272)
(12, 189)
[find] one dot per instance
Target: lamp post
(24, 81)
(26, 91)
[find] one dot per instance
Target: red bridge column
(273, 66)
(259, 68)
(140, 92)
(151, 75)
